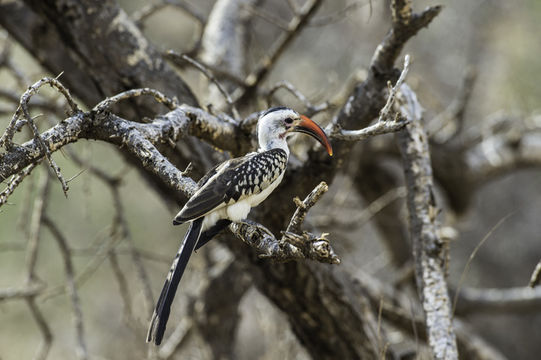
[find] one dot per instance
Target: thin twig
(177, 59)
(141, 15)
(177, 337)
(379, 128)
(267, 16)
(387, 121)
(362, 217)
(140, 270)
(46, 333)
(159, 96)
(15, 181)
(472, 256)
(145, 254)
(293, 6)
(535, 278)
(40, 204)
(340, 14)
(213, 79)
(123, 288)
(450, 122)
(295, 25)
(88, 270)
(81, 349)
(7, 138)
(304, 206)
(310, 108)
(385, 113)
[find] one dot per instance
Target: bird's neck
(277, 143)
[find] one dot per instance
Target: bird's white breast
(239, 210)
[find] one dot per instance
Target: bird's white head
(277, 123)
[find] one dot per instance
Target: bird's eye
(289, 121)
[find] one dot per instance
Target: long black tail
(163, 307)
(207, 235)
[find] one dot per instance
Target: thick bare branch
(427, 246)
(290, 247)
(179, 122)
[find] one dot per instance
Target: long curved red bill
(309, 127)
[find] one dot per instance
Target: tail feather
(207, 235)
(163, 307)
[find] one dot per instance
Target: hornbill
(228, 192)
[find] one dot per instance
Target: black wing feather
(224, 187)
(219, 190)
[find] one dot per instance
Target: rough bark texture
(428, 248)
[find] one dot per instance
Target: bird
(228, 192)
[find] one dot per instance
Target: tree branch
(427, 246)
(512, 300)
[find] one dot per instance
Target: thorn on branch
(188, 170)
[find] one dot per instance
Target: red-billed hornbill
(228, 192)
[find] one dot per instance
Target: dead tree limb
(427, 246)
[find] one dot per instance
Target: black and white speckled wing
(233, 180)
